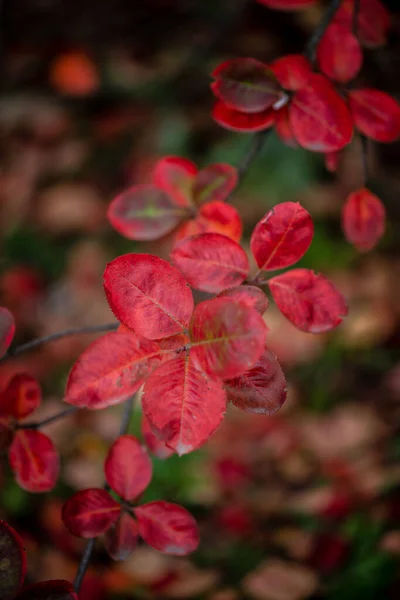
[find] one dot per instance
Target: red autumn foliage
(375, 114)
(74, 74)
(292, 71)
(363, 219)
(373, 20)
(7, 329)
(339, 54)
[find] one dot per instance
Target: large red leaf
(320, 119)
(21, 396)
(250, 295)
(308, 300)
(211, 262)
(287, 4)
(7, 329)
(182, 404)
(375, 114)
(246, 85)
(12, 562)
(34, 460)
(214, 217)
(339, 53)
(144, 212)
(90, 512)
(228, 337)
(292, 71)
(148, 295)
(282, 237)
(262, 389)
(240, 121)
(372, 24)
(128, 468)
(57, 589)
(167, 527)
(214, 183)
(111, 369)
(176, 176)
(155, 445)
(121, 538)
(363, 219)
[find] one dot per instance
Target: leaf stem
(364, 159)
(38, 424)
(312, 44)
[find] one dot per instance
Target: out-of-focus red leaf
(375, 114)
(156, 446)
(240, 121)
(339, 53)
(308, 300)
(250, 295)
(227, 337)
(90, 512)
(34, 460)
(246, 85)
(363, 219)
(128, 468)
(332, 161)
(182, 404)
(176, 176)
(211, 262)
(292, 71)
(121, 538)
(214, 217)
(167, 527)
(372, 24)
(21, 396)
(282, 237)
(111, 369)
(144, 212)
(57, 589)
(214, 183)
(260, 390)
(148, 295)
(319, 117)
(12, 562)
(283, 127)
(7, 329)
(74, 74)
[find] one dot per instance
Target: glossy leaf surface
(214, 217)
(250, 295)
(7, 329)
(57, 589)
(375, 114)
(90, 512)
(363, 219)
(121, 538)
(12, 562)
(34, 460)
(175, 176)
(235, 120)
(128, 468)
(339, 54)
(21, 396)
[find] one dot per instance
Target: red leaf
(211, 262)
(183, 406)
(111, 369)
(214, 183)
(282, 237)
(148, 295)
(58, 589)
(21, 396)
(145, 212)
(250, 295)
(262, 389)
(319, 117)
(214, 217)
(176, 177)
(292, 71)
(227, 337)
(121, 538)
(34, 460)
(7, 330)
(167, 527)
(6, 432)
(372, 24)
(156, 446)
(363, 219)
(128, 467)
(375, 114)
(332, 161)
(12, 562)
(240, 121)
(90, 512)
(283, 127)
(339, 54)
(308, 300)
(246, 85)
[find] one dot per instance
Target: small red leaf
(211, 262)
(363, 219)
(12, 562)
(339, 53)
(282, 237)
(308, 300)
(214, 217)
(121, 538)
(250, 295)
(111, 369)
(320, 119)
(240, 121)
(372, 24)
(156, 446)
(262, 389)
(167, 527)
(375, 114)
(227, 337)
(283, 127)
(7, 330)
(34, 460)
(176, 176)
(128, 467)
(21, 396)
(148, 295)
(214, 183)
(57, 589)
(90, 512)
(183, 405)
(292, 71)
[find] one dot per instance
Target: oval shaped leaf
(282, 237)
(155, 445)
(339, 54)
(363, 219)
(34, 460)
(127, 467)
(292, 71)
(7, 329)
(167, 527)
(21, 396)
(240, 121)
(175, 176)
(57, 589)
(211, 262)
(12, 562)
(122, 537)
(214, 217)
(148, 295)
(308, 300)
(375, 114)
(250, 295)
(90, 512)
(214, 183)
(373, 21)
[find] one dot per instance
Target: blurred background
(304, 504)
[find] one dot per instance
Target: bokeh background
(304, 504)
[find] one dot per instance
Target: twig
(312, 44)
(356, 12)
(364, 159)
(253, 151)
(38, 424)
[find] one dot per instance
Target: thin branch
(38, 424)
(356, 12)
(312, 44)
(364, 159)
(256, 145)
